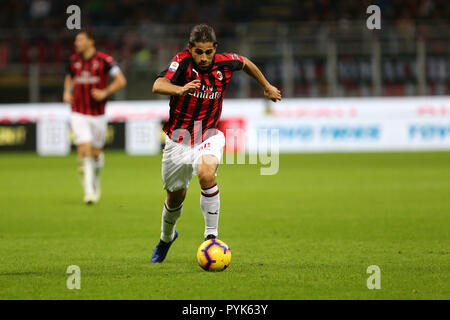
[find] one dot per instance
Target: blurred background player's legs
(89, 137)
(90, 164)
(86, 170)
(98, 125)
(98, 158)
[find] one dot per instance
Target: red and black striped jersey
(198, 113)
(87, 75)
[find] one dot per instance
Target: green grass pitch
(308, 232)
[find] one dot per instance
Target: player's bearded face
(203, 54)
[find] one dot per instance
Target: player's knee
(175, 199)
(206, 177)
(84, 151)
(206, 170)
(174, 203)
(96, 153)
(207, 161)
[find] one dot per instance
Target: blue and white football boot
(161, 249)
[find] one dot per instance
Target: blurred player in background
(196, 80)
(86, 89)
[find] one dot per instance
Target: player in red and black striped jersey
(197, 80)
(198, 111)
(86, 89)
(87, 75)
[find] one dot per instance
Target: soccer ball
(214, 255)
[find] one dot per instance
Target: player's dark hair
(202, 33)
(89, 33)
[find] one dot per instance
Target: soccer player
(86, 89)
(196, 80)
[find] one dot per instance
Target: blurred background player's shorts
(180, 161)
(87, 128)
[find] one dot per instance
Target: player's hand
(99, 94)
(272, 93)
(68, 97)
(189, 87)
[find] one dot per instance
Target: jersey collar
(82, 57)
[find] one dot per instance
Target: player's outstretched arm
(163, 85)
(270, 91)
(68, 85)
(119, 81)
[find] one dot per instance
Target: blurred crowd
(51, 13)
(135, 32)
(33, 30)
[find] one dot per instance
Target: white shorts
(179, 161)
(87, 128)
